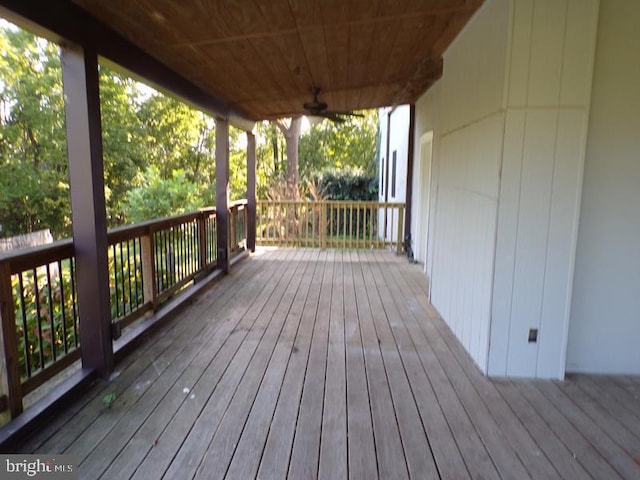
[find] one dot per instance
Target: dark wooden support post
(251, 192)
(409, 195)
(10, 384)
(86, 180)
(222, 193)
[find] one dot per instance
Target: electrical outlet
(533, 335)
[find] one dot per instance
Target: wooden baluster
(150, 287)
(202, 240)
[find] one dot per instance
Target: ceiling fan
(320, 110)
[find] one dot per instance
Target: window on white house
(393, 175)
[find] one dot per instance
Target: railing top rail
(237, 203)
(126, 232)
(33, 257)
(333, 202)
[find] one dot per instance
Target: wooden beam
(251, 192)
(222, 193)
(86, 180)
(62, 21)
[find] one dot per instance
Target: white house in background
(526, 187)
(393, 125)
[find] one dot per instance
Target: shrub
(347, 184)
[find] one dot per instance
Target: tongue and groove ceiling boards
(264, 57)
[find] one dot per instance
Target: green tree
(158, 196)
(331, 145)
(122, 133)
(237, 164)
(291, 131)
(33, 152)
(271, 163)
(178, 137)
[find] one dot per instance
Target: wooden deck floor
(309, 364)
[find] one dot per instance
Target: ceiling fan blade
(334, 117)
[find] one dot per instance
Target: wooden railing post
(10, 384)
(222, 193)
(399, 239)
(202, 240)
(323, 225)
(150, 289)
(232, 228)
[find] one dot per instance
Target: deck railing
(238, 226)
(148, 263)
(330, 224)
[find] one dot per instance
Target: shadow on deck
(332, 364)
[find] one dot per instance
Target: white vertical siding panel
(433, 206)
(491, 56)
(467, 271)
(506, 180)
(465, 231)
(563, 231)
(520, 52)
(547, 42)
(487, 262)
(533, 227)
(472, 314)
(453, 291)
(508, 215)
(577, 70)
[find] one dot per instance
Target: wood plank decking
(332, 364)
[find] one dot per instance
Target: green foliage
(237, 165)
(177, 137)
(340, 145)
(159, 154)
(108, 399)
(50, 303)
(141, 129)
(33, 152)
(122, 130)
(161, 197)
(347, 184)
(270, 155)
(326, 146)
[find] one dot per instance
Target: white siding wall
(466, 176)
(510, 128)
(398, 142)
(427, 120)
(549, 81)
(605, 323)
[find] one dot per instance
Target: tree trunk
(292, 153)
(292, 137)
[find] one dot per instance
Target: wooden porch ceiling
(263, 57)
